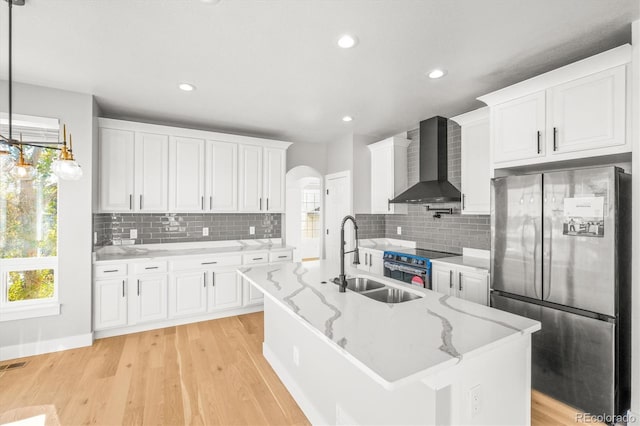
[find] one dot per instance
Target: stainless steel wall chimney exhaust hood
(434, 186)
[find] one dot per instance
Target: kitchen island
(349, 359)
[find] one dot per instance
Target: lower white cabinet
(251, 295)
(371, 261)
(188, 293)
(151, 292)
(460, 281)
(225, 290)
(110, 303)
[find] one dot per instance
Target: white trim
(30, 311)
(101, 334)
(471, 117)
(189, 133)
(305, 404)
(620, 55)
(45, 346)
(390, 142)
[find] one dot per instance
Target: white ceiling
(271, 68)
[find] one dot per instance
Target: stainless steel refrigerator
(561, 254)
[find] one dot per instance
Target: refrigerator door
(572, 356)
(516, 235)
(580, 239)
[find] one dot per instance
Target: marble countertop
(387, 244)
(394, 343)
(169, 251)
(467, 261)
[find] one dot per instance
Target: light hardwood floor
(203, 373)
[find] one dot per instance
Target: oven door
(407, 274)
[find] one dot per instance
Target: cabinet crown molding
(470, 117)
(620, 55)
(189, 133)
(392, 141)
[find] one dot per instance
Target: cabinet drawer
(150, 267)
(108, 271)
(205, 262)
(255, 258)
(281, 256)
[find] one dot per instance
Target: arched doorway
(304, 214)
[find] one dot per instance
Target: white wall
(74, 218)
(362, 173)
(313, 155)
(340, 155)
(635, 296)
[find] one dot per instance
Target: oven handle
(403, 268)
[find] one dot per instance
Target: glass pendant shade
(6, 159)
(23, 172)
(66, 169)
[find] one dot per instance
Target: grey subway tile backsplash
(184, 227)
(450, 233)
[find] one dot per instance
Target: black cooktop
(431, 254)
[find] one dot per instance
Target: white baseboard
(45, 346)
(306, 405)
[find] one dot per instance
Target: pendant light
(65, 167)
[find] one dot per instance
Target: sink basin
(391, 295)
(360, 284)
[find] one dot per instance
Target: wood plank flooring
(204, 373)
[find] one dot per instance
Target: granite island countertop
(393, 343)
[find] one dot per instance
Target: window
(310, 213)
(29, 228)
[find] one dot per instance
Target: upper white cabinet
(116, 154)
(476, 180)
(388, 174)
(158, 169)
(186, 175)
(262, 179)
(151, 172)
(222, 177)
(574, 112)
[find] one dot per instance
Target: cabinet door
(222, 177)
(275, 168)
(186, 175)
(443, 280)
(151, 173)
(518, 128)
(376, 261)
(364, 260)
(382, 174)
(474, 287)
(476, 180)
(109, 304)
(116, 170)
(252, 296)
(188, 294)
(152, 298)
(225, 290)
(589, 113)
(250, 178)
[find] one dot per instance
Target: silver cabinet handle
(539, 148)
(151, 267)
(388, 204)
(260, 203)
(460, 281)
(450, 278)
(463, 196)
(555, 138)
(370, 260)
(213, 279)
(208, 263)
(140, 201)
(138, 287)
(365, 260)
(204, 280)
(258, 258)
(283, 257)
(210, 202)
(202, 202)
(267, 203)
(122, 288)
(111, 270)
(130, 201)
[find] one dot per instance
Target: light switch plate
(133, 234)
(399, 230)
(252, 230)
(205, 232)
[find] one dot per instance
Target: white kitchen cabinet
(222, 177)
(251, 295)
(275, 169)
(475, 146)
(116, 154)
(588, 113)
(110, 303)
(151, 173)
(371, 261)
(151, 292)
(518, 128)
(460, 281)
(389, 175)
(225, 290)
(250, 178)
(186, 174)
(188, 293)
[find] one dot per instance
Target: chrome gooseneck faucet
(356, 254)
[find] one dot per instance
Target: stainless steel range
(412, 266)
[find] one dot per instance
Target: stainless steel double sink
(378, 291)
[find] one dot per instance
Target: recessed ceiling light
(347, 118)
(187, 87)
(437, 73)
(347, 41)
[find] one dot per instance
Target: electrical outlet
(205, 232)
(475, 400)
(296, 356)
(133, 234)
(252, 230)
(399, 230)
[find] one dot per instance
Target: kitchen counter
(170, 251)
(467, 261)
(388, 244)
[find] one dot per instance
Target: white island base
(489, 389)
